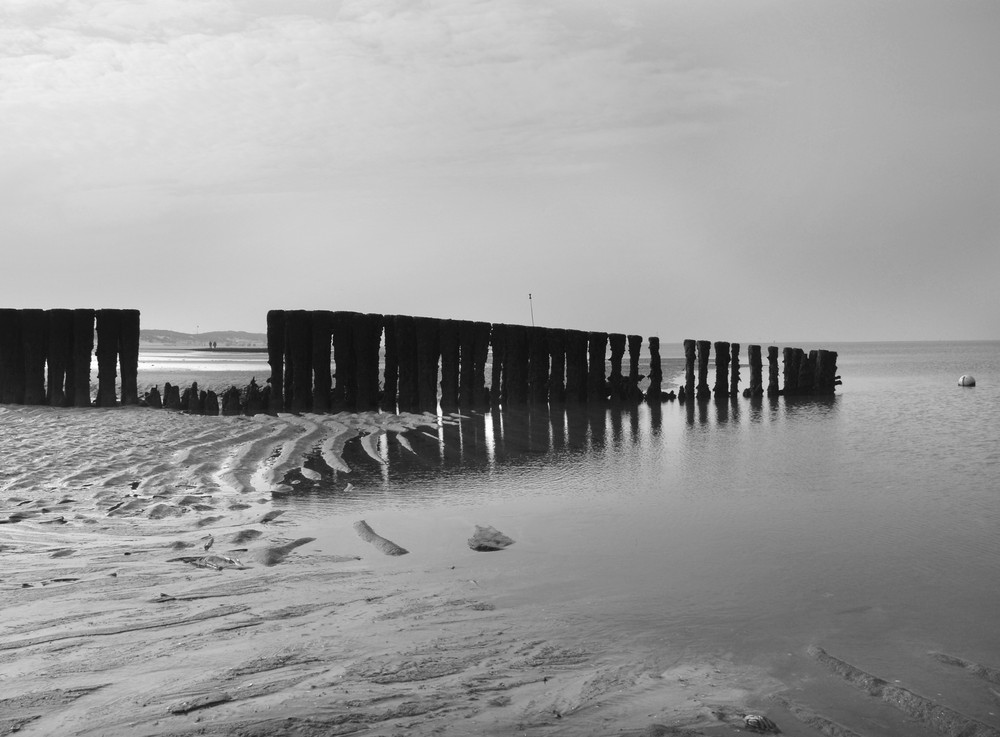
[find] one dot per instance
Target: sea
(867, 523)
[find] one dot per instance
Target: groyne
(330, 361)
(45, 356)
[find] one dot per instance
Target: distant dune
(223, 338)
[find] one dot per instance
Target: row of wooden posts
(428, 360)
(422, 355)
(803, 374)
(423, 362)
(45, 356)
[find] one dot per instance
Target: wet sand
(113, 624)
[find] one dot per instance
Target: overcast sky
(751, 170)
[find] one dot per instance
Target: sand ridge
(110, 629)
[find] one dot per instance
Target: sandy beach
(119, 620)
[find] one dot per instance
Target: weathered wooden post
(450, 354)
(128, 356)
(538, 365)
(632, 392)
(756, 387)
(516, 362)
(704, 348)
(254, 403)
(367, 341)
(466, 337)
(428, 354)
(721, 388)
(498, 343)
(171, 396)
(655, 389)
(60, 352)
(153, 399)
(390, 378)
(34, 341)
(616, 387)
(322, 355)
(826, 372)
(231, 402)
(345, 387)
(597, 387)
(688, 390)
(276, 359)
(108, 329)
(298, 337)
(211, 403)
(772, 371)
(807, 371)
(734, 380)
(480, 353)
(557, 365)
(576, 366)
(11, 357)
(406, 347)
(790, 371)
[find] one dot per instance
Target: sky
(750, 170)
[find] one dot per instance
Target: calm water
(867, 523)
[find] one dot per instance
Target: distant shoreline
(202, 348)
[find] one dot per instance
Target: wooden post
(632, 392)
(345, 377)
(480, 353)
(428, 353)
(498, 381)
(108, 329)
(576, 366)
(807, 371)
(557, 365)
(298, 338)
(826, 372)
(231, 402)
(655, 389)
(128, 356)
(322, 356)
(367, 341)
(597, 388)
(756, 387)
(171, 396)
(276, 359)
(704, 348)
(60, 354)
(406, 345)
(616, 386)
(211, 403)
(466, 337)
(689, 364)
(254, 400)
(153, 399)
(516, 362)
(390, 389)
(538, 365)
(450, 353)
(34, 341)
(11, 358)
(790, 368)
(83, 347)
(772, 371)
(734, 364)
(721, 388)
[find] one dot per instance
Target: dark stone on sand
(488, 539)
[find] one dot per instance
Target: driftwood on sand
(366, 533)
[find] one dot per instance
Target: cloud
(205, 93)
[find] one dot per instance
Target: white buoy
(967, 380)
